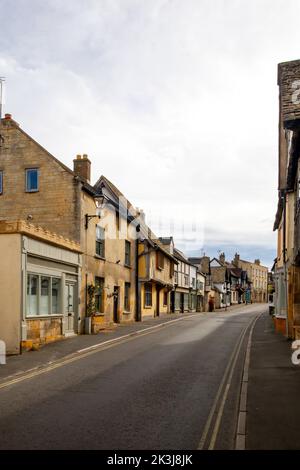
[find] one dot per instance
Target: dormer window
(32, 180)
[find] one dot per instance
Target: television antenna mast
(2, 80)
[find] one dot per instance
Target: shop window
(32, 294)
(56, 283)
(43, 295)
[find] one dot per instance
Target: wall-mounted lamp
(88, 218)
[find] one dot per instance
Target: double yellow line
(222, 393)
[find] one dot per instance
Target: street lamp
(101, 199)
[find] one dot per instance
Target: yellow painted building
(156, 275)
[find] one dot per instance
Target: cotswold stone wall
(56, 205)
(289, 87)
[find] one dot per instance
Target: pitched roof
(180, 256)
(112, 187)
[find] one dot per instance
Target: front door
(157, 301)
(69, 308)
(116, 304)
(182, 303)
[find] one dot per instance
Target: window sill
(42, 317)
(100, 257)
(127, 266)
(99, 314)
(148, 306)
(126, 312)
(31, 191)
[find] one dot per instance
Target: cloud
(176, 102)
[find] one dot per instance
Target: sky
(174, 101)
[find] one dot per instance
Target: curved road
(175, 388)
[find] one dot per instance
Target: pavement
(273, 404)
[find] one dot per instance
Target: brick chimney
(222, 258)
(82, 167)
(236, 260)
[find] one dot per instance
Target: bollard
(2, 352)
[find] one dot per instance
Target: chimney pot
(7, 116)
(82, 167)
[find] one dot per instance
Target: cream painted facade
(40, 276)
(257, 275)
(111, 267)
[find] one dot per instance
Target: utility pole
(2, 80)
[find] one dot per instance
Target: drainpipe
(284, 260)
(86, 293)
(137, 294)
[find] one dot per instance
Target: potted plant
(91, 308)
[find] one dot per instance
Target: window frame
(160, 260)
(27, 170)
(127, 287)
(100, 242)
(127, 261)
(1, 182)
(50, 313)
(100, 294)
(147, 295)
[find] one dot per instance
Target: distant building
(257, 277)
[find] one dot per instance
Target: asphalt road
(156, 391)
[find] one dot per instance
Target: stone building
(287, 219)
(37, 188)
(40, 278)
(257, 277)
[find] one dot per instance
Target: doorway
(157, 301)
(182, 303)
(69, 308)
(116, 304)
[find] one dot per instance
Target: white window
(55, 295)
(43, 295)
(32, 294)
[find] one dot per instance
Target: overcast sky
(175, 101)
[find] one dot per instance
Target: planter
(88, 325)
(280, 325)
(98, 323)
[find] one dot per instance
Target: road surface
(177, 387)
